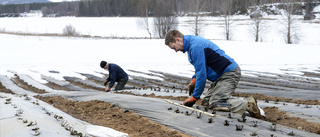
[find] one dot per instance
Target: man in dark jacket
(213, 64)
(116, 74)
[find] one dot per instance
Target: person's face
(106, 67)
(177, 46)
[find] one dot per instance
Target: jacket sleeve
(199, 64)
(108, 78)
(113, 78)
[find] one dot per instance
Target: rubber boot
(253, 108)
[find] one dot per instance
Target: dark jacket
(209, 61)
(115, 74)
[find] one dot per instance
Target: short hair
(171, 35)
(103, 64)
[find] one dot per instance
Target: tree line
(99, 8)
(164, 13)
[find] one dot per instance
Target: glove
(190, 102)
(108, 89)
(105, 83)
(191, 86)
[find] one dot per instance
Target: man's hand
(191, 86)
(190, 102)
(105, 83)
(108, 89)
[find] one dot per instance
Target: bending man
(210, 62)
(116, 74)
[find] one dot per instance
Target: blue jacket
(115, 74)
(209, 61)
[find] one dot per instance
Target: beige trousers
(223, 88)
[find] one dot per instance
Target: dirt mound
(26, 86)
(109, 115)
(3, 89)
(274, 115)
(278, 99)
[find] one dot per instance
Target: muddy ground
(106, 114)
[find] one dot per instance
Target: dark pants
(121, 84)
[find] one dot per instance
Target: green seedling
(308, 106)
(35, 129)
(198, 116)
(7, 102)
(36, 133)
(19, 112)
(290, 133)
(64, 123)
(254, 133)
(32, 123)
(187, 113)
(226, 123)
(210, 120)
(229, 115)
(27, 98)
(239, 127)
(255, 123)
(243, 119)
(273, 127)
(177, 110)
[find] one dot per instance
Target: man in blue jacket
(210, 62)
(116, 74)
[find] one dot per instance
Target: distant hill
(4, 2)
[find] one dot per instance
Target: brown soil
(101, 113)
(274, 115)
(56, 87)
(106, 114)
(84, 86)
(26, 86)
(3, 89)
(279, 99)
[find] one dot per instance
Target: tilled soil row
(56, 87)
(273, 114)
(26, 86)
(278, 99)
(109, 115)
(4, 89)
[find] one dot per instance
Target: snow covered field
(211, 27)
(36, 56)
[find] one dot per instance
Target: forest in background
(103, 8)
(164, 13)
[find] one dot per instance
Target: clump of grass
(70, 30)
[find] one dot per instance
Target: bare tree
(163, 24)
(45, 11)
(226, 9)
(69, 30)
(258, 26)
(289, 20)
(198, 6)
(164, 19)
(144, 21)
